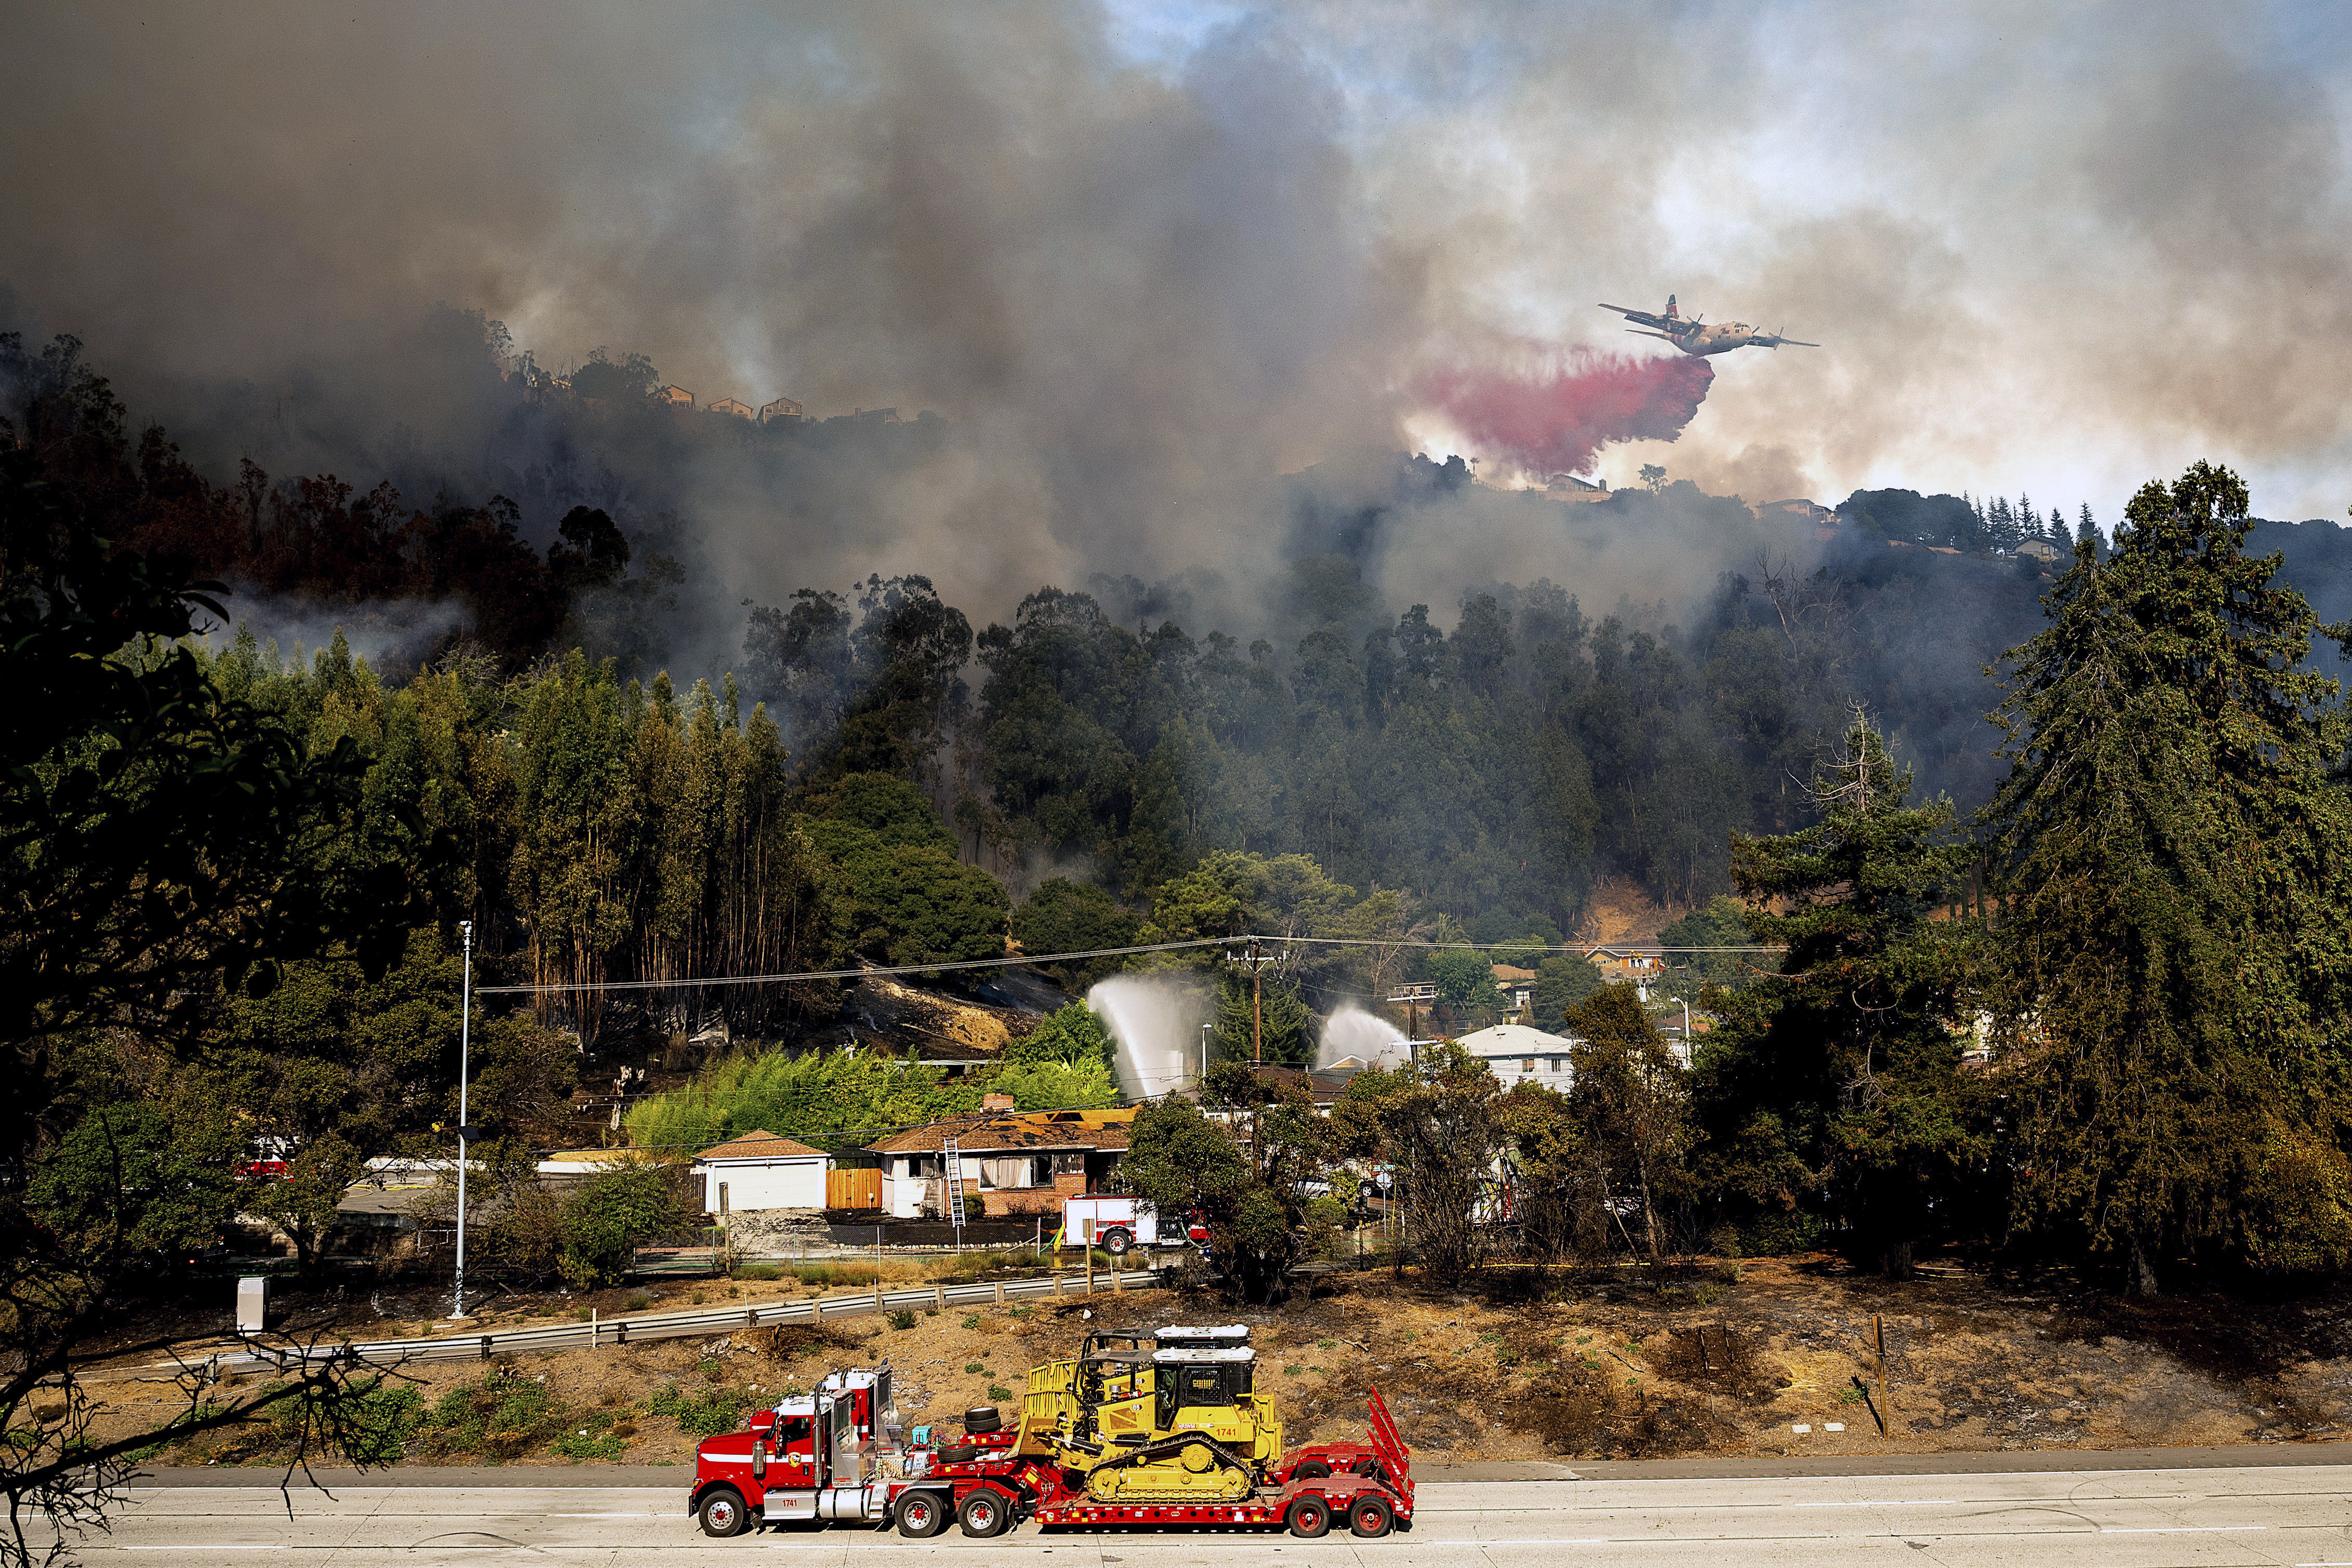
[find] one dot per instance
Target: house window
(1529, 1064)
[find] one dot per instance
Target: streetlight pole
(1204, 1056)
(464, 1054)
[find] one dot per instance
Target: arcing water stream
(1155, 1024)
(1352, 1032)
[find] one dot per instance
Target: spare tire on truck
(983, 1419)
(958, 1454)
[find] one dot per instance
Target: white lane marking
(2177, 1529)
(605, 1515)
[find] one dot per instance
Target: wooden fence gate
(853, 1189)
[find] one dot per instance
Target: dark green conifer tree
(1835, 1086)
(2173, 949)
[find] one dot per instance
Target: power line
(542, 988)
(1583, 949)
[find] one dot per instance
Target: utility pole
(1414, 996)
(1257, 958)
(465, 1060)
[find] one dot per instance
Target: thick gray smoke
(1144, 263)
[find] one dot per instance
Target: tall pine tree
(1835, 1085)
(2174, 886)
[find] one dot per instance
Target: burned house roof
(982, 1132)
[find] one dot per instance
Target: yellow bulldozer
(1180, 1422)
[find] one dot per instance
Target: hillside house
(1012, 1163)
(761, 1171)
(782, 408)
(1516, 1054)
(734, 405)
(1517, 987)
(675, 397)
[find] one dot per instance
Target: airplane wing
(1778, 342)
(1646, 318)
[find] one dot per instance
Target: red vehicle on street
(834, 1455)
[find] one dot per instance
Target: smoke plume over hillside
(1144, 263)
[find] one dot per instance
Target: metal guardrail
(651, 1326)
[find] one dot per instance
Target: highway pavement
(2277, 1508)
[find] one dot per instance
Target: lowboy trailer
(836, 1455)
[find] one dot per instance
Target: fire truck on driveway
(1169, 1436)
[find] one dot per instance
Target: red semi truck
(834, 1455)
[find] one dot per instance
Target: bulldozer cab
(1215, 1392)
(1180, 1386)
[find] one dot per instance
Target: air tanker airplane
(1694, 337)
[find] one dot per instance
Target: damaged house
(1012, 1163)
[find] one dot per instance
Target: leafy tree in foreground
(2174, 858)
(1256, 1212)
(605, 1220)
(1836, 1083)
(1440, 1123)
(1630, 1102)
(157, 838)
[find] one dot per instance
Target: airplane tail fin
(1670, 304)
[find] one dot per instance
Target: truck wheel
(1369, 1469)
(923, 1514)
(1309, 1517)
(723, 1512)
(1311, 1470)
(1370, 1516)
(984, 1513)
(1116, 1242)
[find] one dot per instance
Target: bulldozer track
(1168, 1447)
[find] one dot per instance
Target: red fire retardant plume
(1553, 420)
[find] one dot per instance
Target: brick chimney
(996, 1103)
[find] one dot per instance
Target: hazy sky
(2048, 247)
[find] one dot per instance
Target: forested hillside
(243, 879)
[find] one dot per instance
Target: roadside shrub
(703, 1414)
(501, 1417)
(900, 1320)
(759, 1272)
(595, 1435)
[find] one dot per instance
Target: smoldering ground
(1144, 263)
